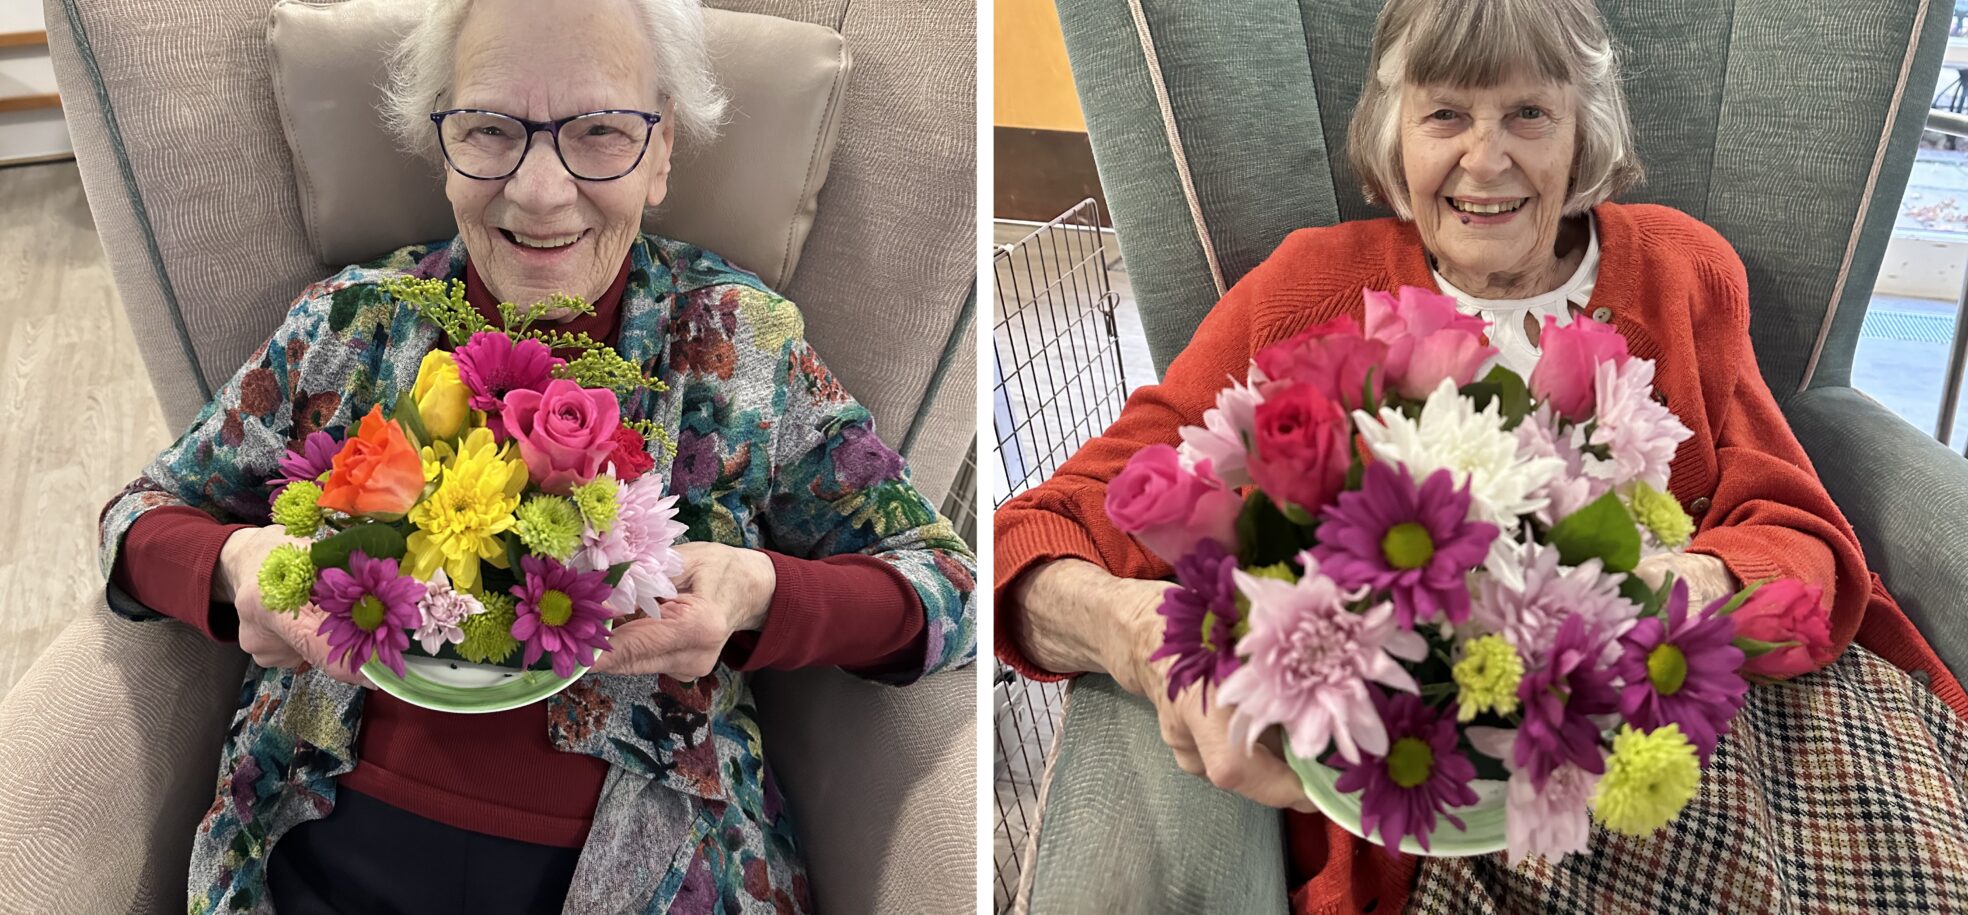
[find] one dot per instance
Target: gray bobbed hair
(420, 70)
(1477, 44)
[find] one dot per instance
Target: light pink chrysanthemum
(1641, 434)
(1309, 661)
(1225, 435)
(444, 610)
(644, 533)
(1528, 618)
(1579, 483)
(1552, 821)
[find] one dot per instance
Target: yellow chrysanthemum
(1661, 514)
(1649, 777)
(460, 522)
(1487, 678)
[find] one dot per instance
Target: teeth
(556, 241)
(1485, 209)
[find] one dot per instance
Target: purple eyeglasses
(593, 146)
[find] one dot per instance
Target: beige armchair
(215, 209)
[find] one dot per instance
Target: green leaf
(376, 540)
(616, 571)
(1368, 402)
(1743, 596)
(1601, 530)
(411, 419)
(1482, 392)
(1514, 396)
(1639, 592)
(1266, 536)
(1756, 648)
(513, 553)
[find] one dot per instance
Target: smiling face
(1488, 171)
(541, 230)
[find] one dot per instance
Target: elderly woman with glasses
(1497, 133)
(642, 787)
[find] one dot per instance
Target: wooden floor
(77, 416)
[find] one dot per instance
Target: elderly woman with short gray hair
(1498, 134)
(642, 787)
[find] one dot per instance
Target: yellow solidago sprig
(488, 634)
(1661, 514)
(549, 526)
(286, 579)
(440, 302)
(295, 509)
(1649, 777)
(1487, 678)
(459, 523)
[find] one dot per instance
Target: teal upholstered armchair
(1218, 128)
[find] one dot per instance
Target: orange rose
(376, 473)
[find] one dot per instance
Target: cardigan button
(1700, 505)
(1659, 397)
(1923, 678)
(1602, 315)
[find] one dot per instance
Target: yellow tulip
(442, 398)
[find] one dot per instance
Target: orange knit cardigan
(1677, 293)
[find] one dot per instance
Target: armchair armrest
(110, 746)
(1123, 829)
(1906, 495)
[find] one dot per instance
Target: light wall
(35, 132)
(1034, 83)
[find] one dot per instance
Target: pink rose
(1565, 373)
(1170, 509)
(1786, 610)
(1332, 358)
(1427, 340)
(565, 433)
(1300, 455)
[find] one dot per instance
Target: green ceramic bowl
(446, 685)
(1483, 820)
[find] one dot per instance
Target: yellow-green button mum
(1487, 678)
(1661, 514)
(1649, 777)
(286, 579)
(295, 509)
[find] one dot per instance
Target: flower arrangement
(501, 509)
(1425, 578)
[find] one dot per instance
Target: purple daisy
(1201, 620)
(316, 456)
(491, 364)
(562, 613)
(369, 609)
(1559, 701)
(1683, 671)
(1418, 544)
(1422, 776)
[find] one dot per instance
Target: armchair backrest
(1219, 128)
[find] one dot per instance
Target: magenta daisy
(1407, 790)
(562, 613)
(1559, 700)
(368, 610)
(315, 457)
(1200, 627)
(1418, 544)
(491, 365)
(1309, 658)
(1684, 671)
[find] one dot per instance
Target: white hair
(420, 70)
(1479, 44)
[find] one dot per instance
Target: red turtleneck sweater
(850, 611)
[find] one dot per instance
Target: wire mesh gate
(1060, 382)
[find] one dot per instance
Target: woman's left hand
(723, 589)
(1708, 578)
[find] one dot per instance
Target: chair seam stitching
(1173, 134)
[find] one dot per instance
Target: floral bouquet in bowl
(487, 532)
(1425, 578)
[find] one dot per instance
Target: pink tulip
(1786, 610)
(565, 433)
(1170, 509)
(1427, 340)
(1566, 372)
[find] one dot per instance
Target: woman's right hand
(1078, 617)
(273, 639)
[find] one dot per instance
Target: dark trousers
(369, 858)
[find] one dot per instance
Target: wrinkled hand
(723, 590)
(1708, 578)
(273, 639)
(1201, 740)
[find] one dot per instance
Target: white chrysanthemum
(1641, 434)
(644, 533)
(1224, 437)
(1504, 484)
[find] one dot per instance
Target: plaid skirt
(1842, 791)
